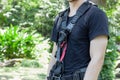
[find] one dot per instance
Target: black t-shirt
(92, 24)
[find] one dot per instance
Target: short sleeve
(98, 24)
(54, 31)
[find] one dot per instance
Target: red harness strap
(64, 46)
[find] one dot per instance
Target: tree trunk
(10, 63)
(99, 2)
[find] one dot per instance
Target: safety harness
(57, 70)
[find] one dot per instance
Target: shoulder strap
(60, 18)
(81, 11)
(63, 19)
(61, 15)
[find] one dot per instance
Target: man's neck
(74, 5)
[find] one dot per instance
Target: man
(86, 43)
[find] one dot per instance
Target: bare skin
(52, 60)
(97, 53)
(97, 48)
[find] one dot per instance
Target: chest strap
(58, 68)
(67, 29)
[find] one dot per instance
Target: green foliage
(2, 19)
(29, 15)
(36, 14)
(111, 4)
(108, 71)
(16, 44)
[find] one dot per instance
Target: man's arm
(52, 60)
(97, 54)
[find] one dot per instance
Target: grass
(27, 70)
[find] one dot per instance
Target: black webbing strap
(63, 20)
(58, 68)
(59, 18)
(83, 8)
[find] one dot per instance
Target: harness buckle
(76, 76)
(56, 77)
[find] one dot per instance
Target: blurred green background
(25, 46)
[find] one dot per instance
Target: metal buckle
(76, 75)
(57, 77)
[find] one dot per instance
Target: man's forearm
(97, 53)
(93, 69)
(52, 62)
